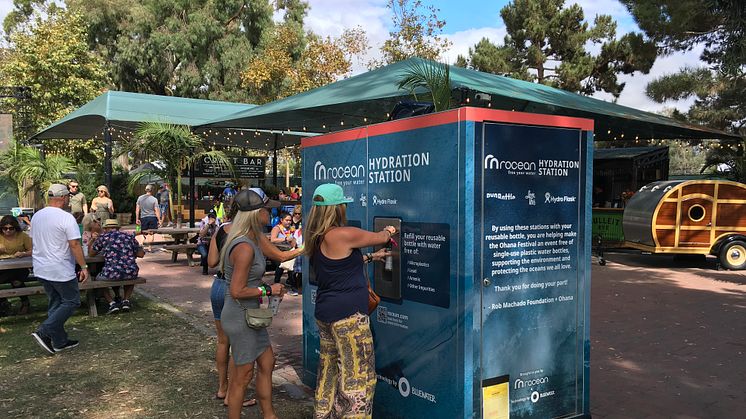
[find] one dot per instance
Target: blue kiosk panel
(486, 312)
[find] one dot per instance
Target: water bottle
(274, 304)
(389, 262)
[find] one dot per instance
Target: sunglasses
(8, 228)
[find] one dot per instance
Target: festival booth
(484, 311)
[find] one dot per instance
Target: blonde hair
(106, 190)
(245, 223)
(320, 220)
(88, 220)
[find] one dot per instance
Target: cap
(111, 222)
(212, 214)
(329, 194)
(254, 198)
(57, 190)
(148, 188)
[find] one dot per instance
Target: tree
(728, 159)
(278, 72)
(415, 34)
(546, 43)
(51, 57)
(190, 48)
(719, 89)
(29, 171)
(679, 25)
(174, 145)
(432, 76)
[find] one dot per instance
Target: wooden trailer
(689, 217)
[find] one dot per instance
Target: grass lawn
(145, 363)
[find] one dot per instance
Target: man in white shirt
(57, 247)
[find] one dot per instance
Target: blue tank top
(343, 290)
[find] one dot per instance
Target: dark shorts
(148, 223)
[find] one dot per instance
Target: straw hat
(111, 223)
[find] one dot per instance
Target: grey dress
(246, 343)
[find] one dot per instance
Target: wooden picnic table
(180, 235)
(26, 262)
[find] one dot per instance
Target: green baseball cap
(329, 194)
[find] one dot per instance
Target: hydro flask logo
(320, 172)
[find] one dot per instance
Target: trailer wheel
(733, 255)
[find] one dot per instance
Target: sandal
(246, 403)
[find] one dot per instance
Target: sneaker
(294, 293)
(126, 306)
(69, 345)
(113, 307)
(44, 342)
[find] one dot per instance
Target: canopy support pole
(192, 194)
(274, 163)
(107, 155)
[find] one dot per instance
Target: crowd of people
(237, 243)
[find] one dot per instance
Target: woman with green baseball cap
(346, 376)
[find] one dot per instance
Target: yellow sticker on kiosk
(495, 402)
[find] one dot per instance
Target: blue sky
(468, 21)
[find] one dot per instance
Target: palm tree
(731, 155)
(176, 146)
(29, 171)
(433, 76)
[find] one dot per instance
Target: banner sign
(244, 167)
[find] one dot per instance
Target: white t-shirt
(52, 258)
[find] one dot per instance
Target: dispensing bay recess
(387, 275)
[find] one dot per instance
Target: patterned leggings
(347, 369)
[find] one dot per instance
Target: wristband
(267, 289)
(84, 267)
(368, 258)
(262, 291)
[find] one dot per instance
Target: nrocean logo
(529, 383)
(492, 162)
(321, 172)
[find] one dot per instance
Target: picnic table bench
(89, 286)
(187, 248)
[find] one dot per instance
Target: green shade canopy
(367, 98)
(125, 111)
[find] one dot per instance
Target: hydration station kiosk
(485, 310)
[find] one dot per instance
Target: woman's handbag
(256, 318)
(373, 300)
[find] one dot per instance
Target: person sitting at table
(14, 243)
(24, 221)
(119, 250)
(282, 234)
(91, 230)
(207, 228)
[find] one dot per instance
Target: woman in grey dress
(243, 265)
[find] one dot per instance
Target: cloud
(464, 40)
(331, 17)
